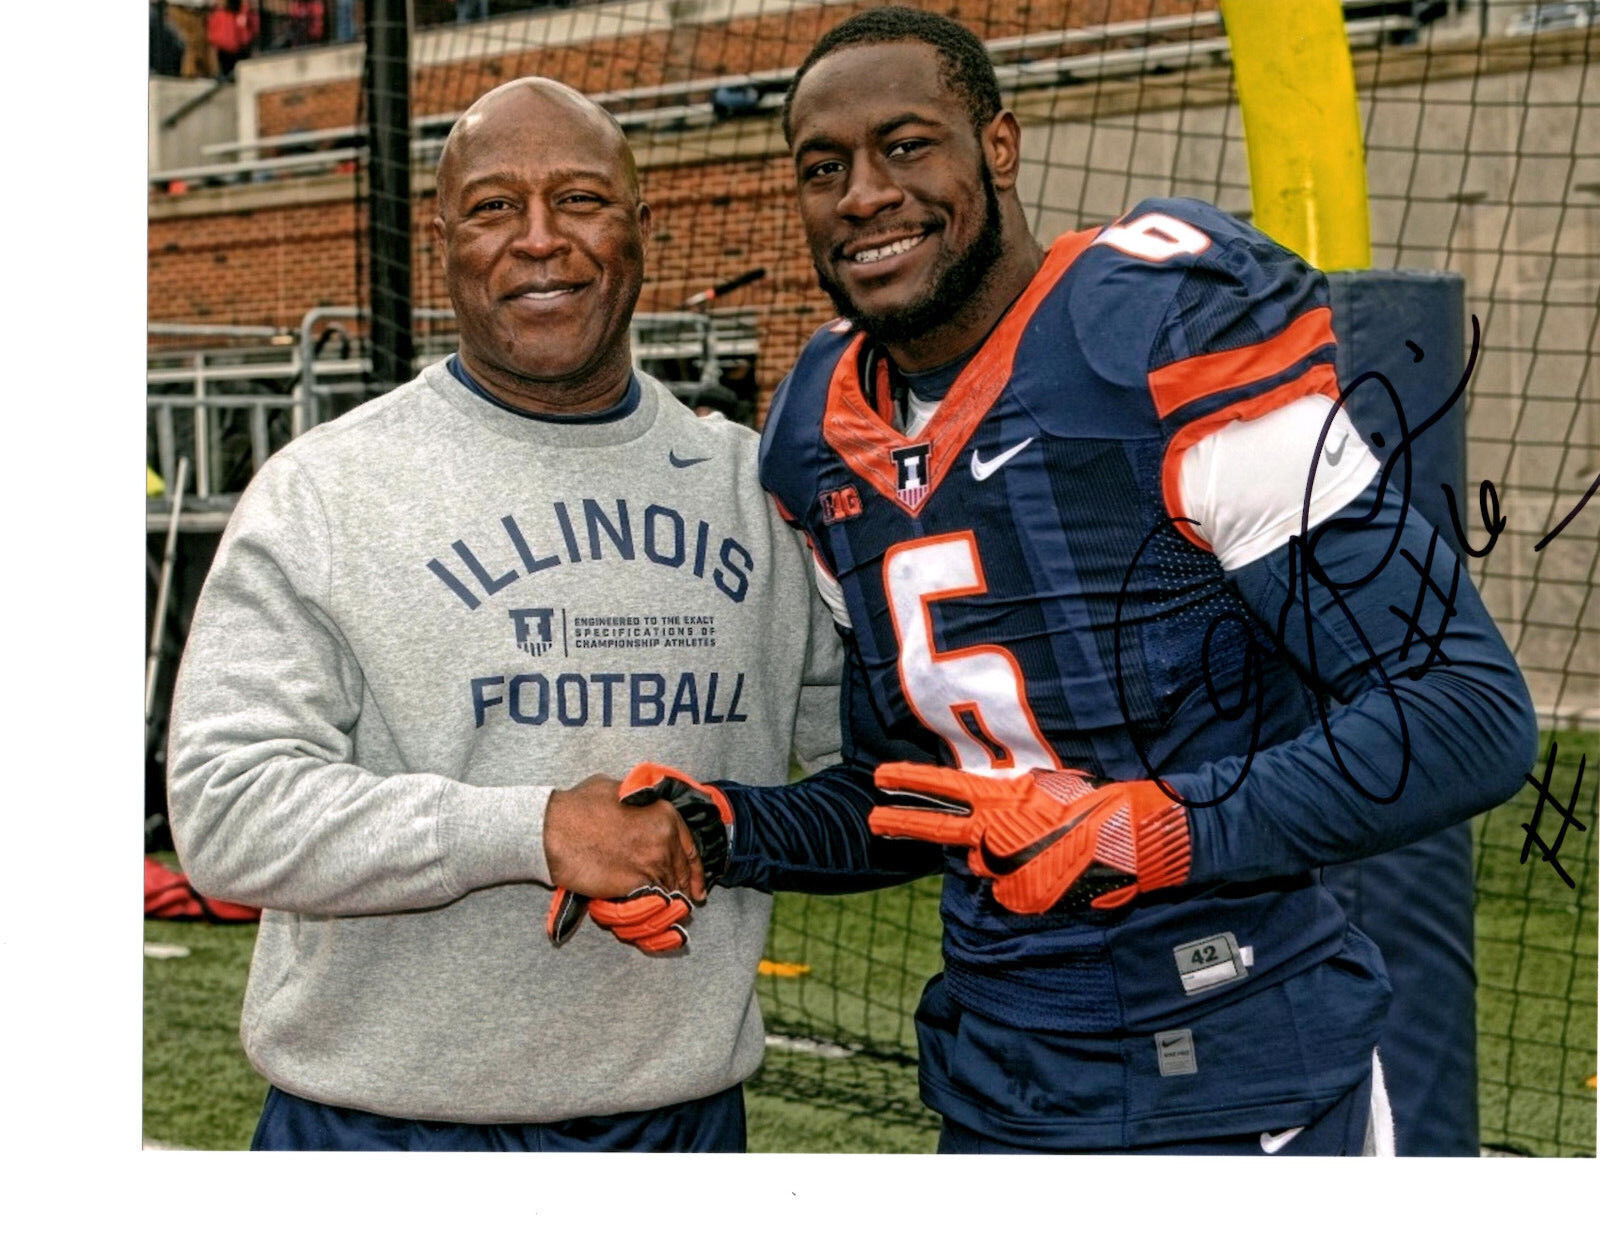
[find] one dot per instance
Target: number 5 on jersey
(973, 698)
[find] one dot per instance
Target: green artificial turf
(199, 1091)
(1536, 959)
(840, 1079)
(198, 1088)
(841, 1075)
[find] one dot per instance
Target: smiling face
(543, 237)
(898, 195)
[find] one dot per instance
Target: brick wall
(265, 265)
(271, 262)
(772, 41)
(746, 218)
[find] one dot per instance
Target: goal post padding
(1308, 190)
(1416, 902)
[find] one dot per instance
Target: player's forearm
(1464, 748)
(1437, 723)
(812, 837)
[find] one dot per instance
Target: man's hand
(597, 846)
(1047, 840)
(650, 917)
(703, 808)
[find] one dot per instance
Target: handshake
(645, 849)
(662, 835)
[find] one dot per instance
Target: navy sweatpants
(715, 1123)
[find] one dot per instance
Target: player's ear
(646, 223)
(439, 242)
(1002, 148)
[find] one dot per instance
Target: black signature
(1566, 813)
(1306, 568)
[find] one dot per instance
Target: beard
(954, 283)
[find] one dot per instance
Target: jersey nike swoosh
(672, 458)
(983, 469)
(1271, 1143)
(1334, 456)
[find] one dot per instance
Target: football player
(1140, 632)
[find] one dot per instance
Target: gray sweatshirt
(422, 618)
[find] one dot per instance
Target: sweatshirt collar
(626, 422)
(618, 410)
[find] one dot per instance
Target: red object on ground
(168, 894)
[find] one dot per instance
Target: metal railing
(203, 416)
(209, 405)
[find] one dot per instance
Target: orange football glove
(648, 918)
(1047, 840)
(651, 919)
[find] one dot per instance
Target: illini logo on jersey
(911, 473)
(534, 629)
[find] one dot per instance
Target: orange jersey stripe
(1184, 381)
(1318, 380)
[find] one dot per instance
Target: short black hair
(964, 65)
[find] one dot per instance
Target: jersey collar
(860, 428)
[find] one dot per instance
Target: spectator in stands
(344, 21)
(232, 28)
(471, 10)
(370, 733)
(188, 19)
(166, 50)
(300, 23)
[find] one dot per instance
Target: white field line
(810, 1047)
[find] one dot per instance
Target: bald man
(527, 569)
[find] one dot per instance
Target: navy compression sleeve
(1429, 720)
(812, 836)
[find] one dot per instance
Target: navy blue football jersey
(1021, 586)
(1019, 597)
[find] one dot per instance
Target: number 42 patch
(1211, 962)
